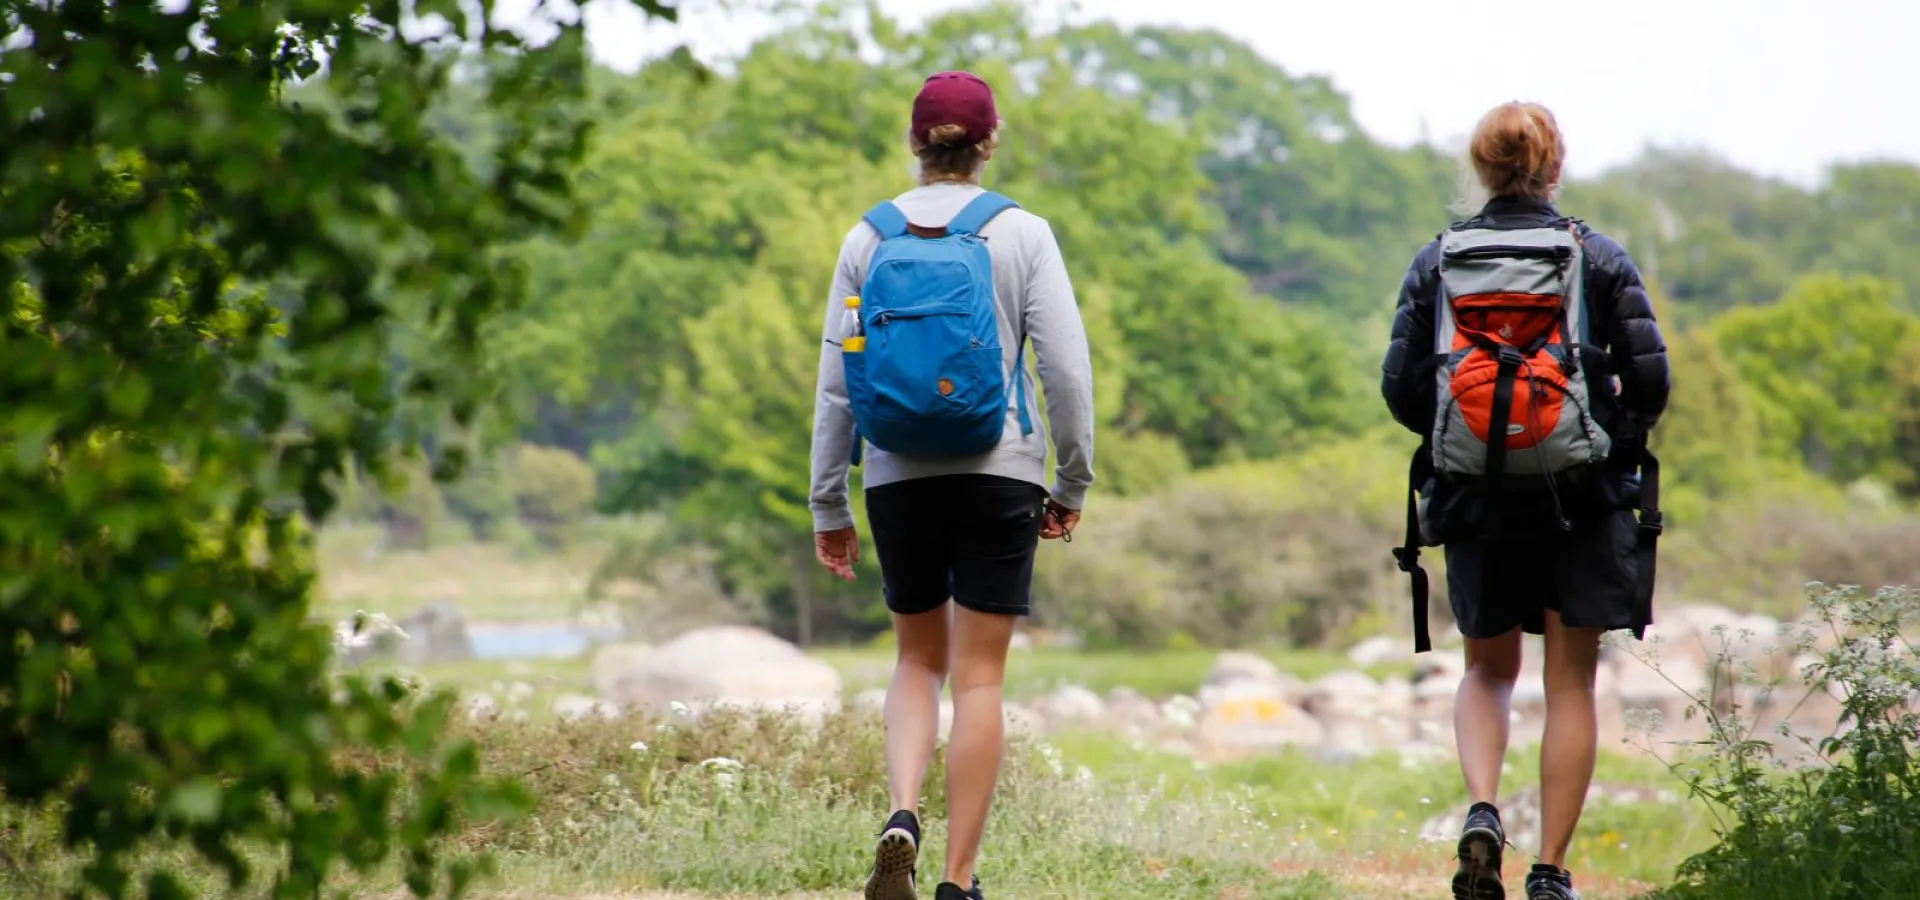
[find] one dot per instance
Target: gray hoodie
(1035, 300)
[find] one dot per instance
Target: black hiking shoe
(950, 891)
(1481, 842)
(1550, 883)
(894, 859)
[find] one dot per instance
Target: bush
(1296, 550)
(662, 584)
(552, 488)
(1849, 825)
(1744, 553)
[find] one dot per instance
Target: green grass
(798, 813)
(1351, 808)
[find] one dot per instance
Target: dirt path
(1357, 886)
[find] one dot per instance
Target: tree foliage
(1823, 362)
(215, 299)
(1235, 238)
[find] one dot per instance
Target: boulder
(1071, 705)
(1235, 673)
(1248, 725)
(436, 633)
(1234, 665)
(1345, 691)
(611, 662)
(1378, 650)
(728, 665)
(1131, 714)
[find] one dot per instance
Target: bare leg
(913, 702)
(974, 748)
(1482, 710)
(1567, 749)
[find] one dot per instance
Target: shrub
(1296, 551)
(1744, 553)
(1848, 825)
(552, 488)
(662, 584)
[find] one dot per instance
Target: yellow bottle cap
(853, 302)
(853, 344)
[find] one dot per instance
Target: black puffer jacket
(1623, 324)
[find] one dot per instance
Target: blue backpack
(930, 381)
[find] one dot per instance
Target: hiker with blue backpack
(923, 385)
(1528, 325)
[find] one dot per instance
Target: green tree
(1318, 213)
(171, 427)
(1906, 414)
(1822, 363)
(553, 489)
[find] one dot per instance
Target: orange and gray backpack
(1512, 338)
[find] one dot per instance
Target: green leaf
(196, 802)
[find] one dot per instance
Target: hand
(838, 550)
(1058, 522)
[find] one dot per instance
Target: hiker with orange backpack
(1525, 354)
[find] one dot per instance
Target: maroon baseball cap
(955, 98)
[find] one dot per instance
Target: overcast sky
(1779, 86)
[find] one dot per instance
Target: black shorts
(966, 537)
(1588, 575)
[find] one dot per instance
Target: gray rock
(1069, 705)
(1380, 649)
(1249, 719)
(727, 665)
(436, 633)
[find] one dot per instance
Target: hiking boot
(894, 859)
(1550, 883)
(1481, 841)
(950, 891)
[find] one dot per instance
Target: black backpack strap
(1647, 544)
(1408, 555)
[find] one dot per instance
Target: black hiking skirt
(1571, 550)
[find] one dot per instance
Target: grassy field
(760, 807)
(1347, 830)
(754, 809)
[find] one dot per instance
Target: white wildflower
(638, 746)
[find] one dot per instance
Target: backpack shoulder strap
(887, 219)
(978, 212)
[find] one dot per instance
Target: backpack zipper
(1560, 252)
